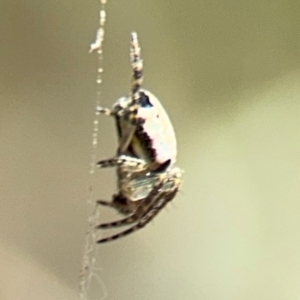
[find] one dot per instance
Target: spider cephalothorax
(147, 178)
(140, 198)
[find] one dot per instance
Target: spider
(146, 153)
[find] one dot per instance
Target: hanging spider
(146, 176)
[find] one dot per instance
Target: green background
(228, 73)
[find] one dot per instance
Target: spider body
(146, 176)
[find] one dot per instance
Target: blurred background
(228, 73)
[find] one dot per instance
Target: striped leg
(123, 222)
(152, 211)
(140, 211)
(128, 161)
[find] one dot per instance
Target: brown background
(228, 73)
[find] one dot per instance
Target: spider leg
(120, 160)
(153, 210)
(140, 211)
(128, 131)
(106, 203)
(137, 66)
(118, 202)
(126, 221)
(104, 111)
(161, 203)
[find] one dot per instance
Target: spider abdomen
(154, 138)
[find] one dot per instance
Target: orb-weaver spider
(147, 178)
